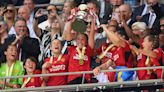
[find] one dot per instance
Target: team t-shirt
(123, 56)
(109, 53)
(144, 74)
(34, 81)
(58, 67)
(75, 66)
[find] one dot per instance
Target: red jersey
(109, 54)
(123, 56)
(74, 65)
(34, 81)
(58, 67)
(143, 74)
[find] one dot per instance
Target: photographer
(51, 13)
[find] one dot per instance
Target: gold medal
(81, 62)
(81, 55)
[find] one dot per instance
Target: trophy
(83, 15)
(80, 23)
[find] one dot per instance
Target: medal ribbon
(25, 82)
(105, 52)
(147, 63)
(81, 54)
(59, 58)
(9, 71)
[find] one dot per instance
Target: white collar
(128, 21)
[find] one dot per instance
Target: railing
(90, 86)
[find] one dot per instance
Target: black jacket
(158, 9)
(30, 47)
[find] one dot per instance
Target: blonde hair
(15, 11)
(141, 26)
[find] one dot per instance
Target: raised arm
(67, 32)
(91, 40)
(67, 35)
(35, 23)
(60, 22)
(114, 37)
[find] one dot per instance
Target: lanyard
(59, 58)
(105, 52)
(81, 55)
(25, 82)
(147, 63)
(9, 71)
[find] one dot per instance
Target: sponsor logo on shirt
(116, 57)
(57, 68)
(77, 57)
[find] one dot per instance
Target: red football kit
(123, 56)
(109, 53)
(58, 67)
(160, 56)
(34, 81)
(76, 66)
(149, 74)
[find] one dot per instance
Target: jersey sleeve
(158, 53)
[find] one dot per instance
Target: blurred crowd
(81, 35)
